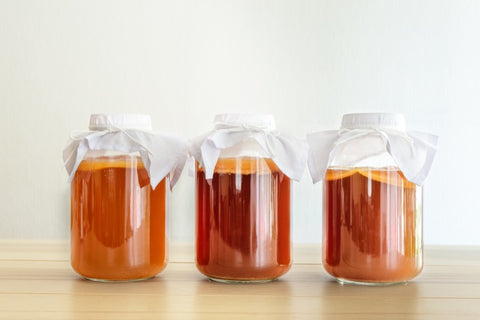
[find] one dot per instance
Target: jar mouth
(246, 121)
(101, 122)
(392, 121)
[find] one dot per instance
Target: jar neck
(248, 148)
(92, 154)
(370, 151)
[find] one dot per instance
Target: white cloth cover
(289, 154)
(161, 154)
(412, 151)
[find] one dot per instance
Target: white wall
(307, 62)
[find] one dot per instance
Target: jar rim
(245, 120)
(100, 122)
(393, 121)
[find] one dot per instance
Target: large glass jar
(117, 218)
(243, 204)
(117, 212)
(372, 213)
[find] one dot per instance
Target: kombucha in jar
(120, 177)
(243, 221)
(117, 220)
(372, 225)
(372, 171)
(243, 202)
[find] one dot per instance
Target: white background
(306, 62)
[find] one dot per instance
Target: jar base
(240, 281)
(369, 283)
(117, 281)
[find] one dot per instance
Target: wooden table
(36, 282)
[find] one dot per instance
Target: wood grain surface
(36, 282)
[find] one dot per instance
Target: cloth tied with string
(289, 154)
(161, 154)
(412, 151)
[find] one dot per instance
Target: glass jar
(117, 214)
(243, 204)
(372, 213)
(117, 219)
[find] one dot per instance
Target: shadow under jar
(243, 221)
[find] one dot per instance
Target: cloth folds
(289, 154)
(412, 151)
(161, 154)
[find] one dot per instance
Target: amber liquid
(372, 226)
(243, 221)
(117, 220)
